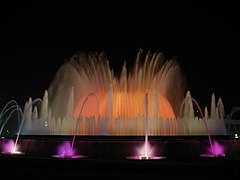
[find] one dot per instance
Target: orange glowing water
(118, 100)
(86, 97)
(127, 106)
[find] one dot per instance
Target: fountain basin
(121, 147)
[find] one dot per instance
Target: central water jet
(146, 152)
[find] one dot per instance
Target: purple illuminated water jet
(9, 147)
(65, 150)
(216, 150)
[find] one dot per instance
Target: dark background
(37, 38)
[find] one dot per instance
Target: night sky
(38, 38)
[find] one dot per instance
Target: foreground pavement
(59, 168)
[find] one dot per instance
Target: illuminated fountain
(120, 105)
(86, 98)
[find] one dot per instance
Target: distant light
(236, 136)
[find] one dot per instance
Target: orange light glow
(86, 89)
(127, 106)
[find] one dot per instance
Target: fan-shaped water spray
(120, 106)
(121, 100)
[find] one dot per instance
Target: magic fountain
(86, 98)
(116, 105)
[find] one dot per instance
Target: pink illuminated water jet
(216, 150)
(145, 152)
(65, 150)
(10, 147)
